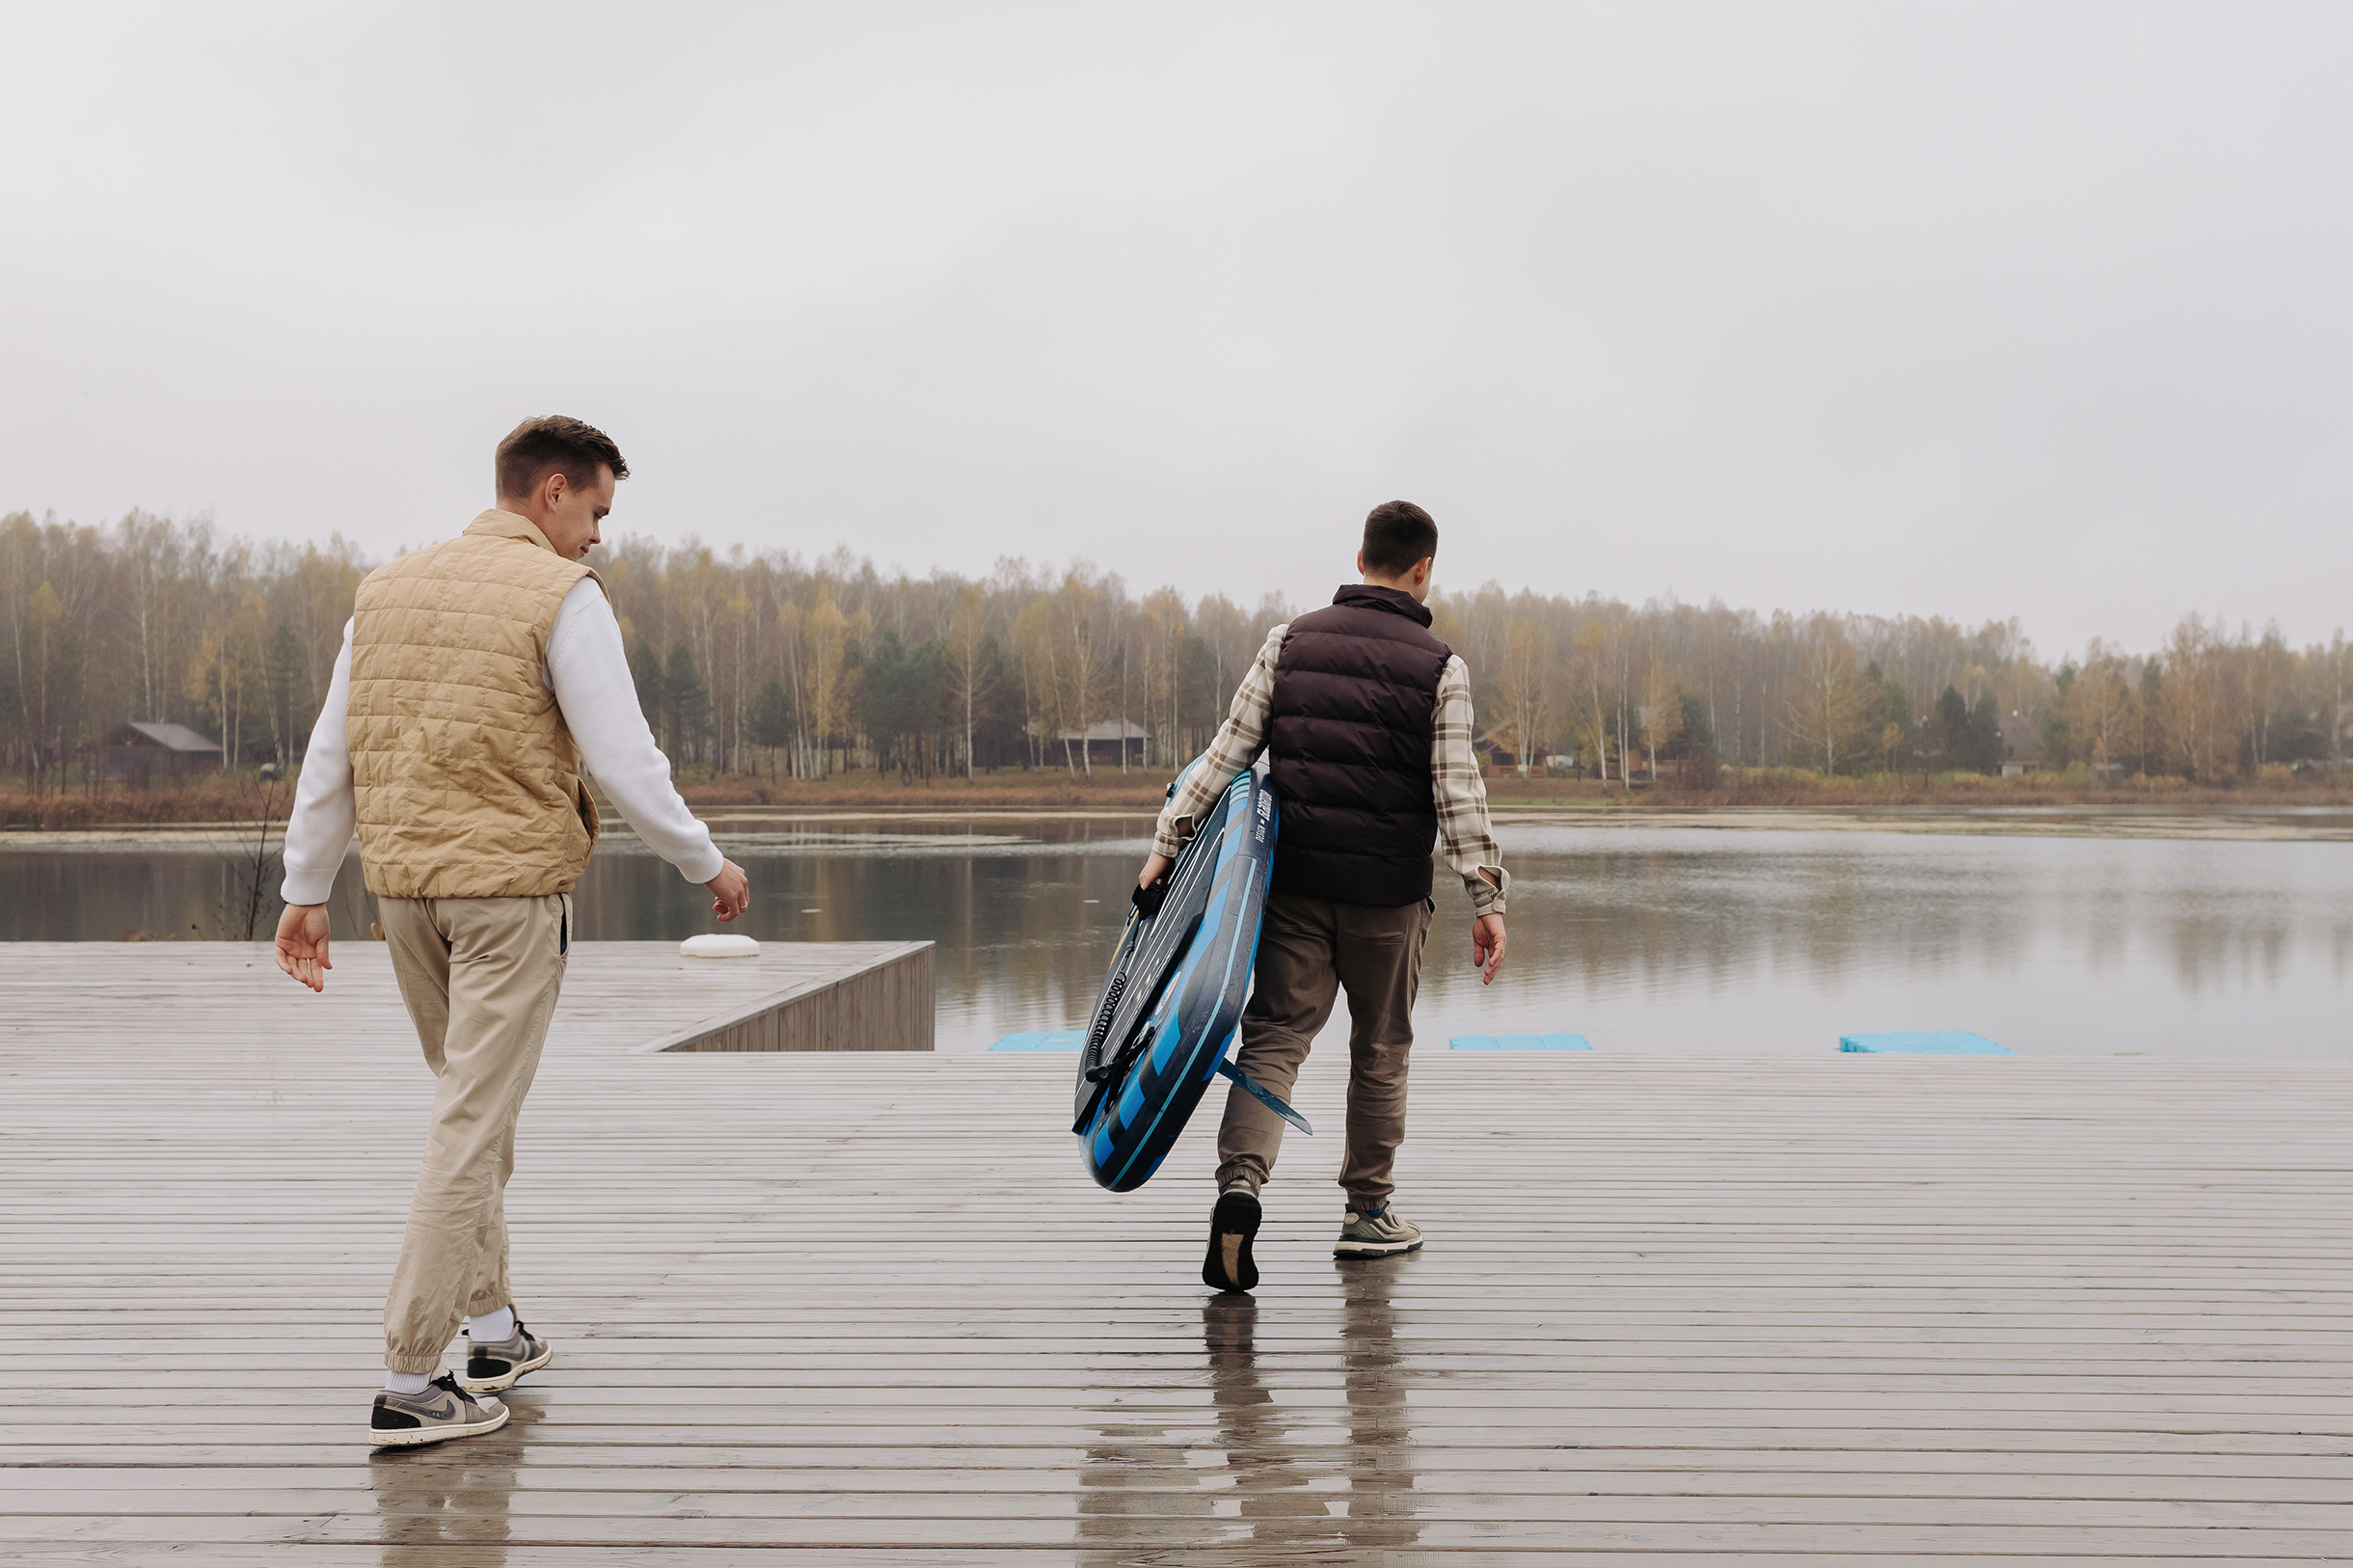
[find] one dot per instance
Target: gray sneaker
(493, 1365)
(1376, 1235)
(444, 1410)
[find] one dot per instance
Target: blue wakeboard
(1172, 997)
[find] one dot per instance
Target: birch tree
(968, 679)
(1525, 677)
(1830, 701)
(825, 641)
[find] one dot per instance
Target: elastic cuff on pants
(420, 1366)
(485, 1304)
(1364, 1204)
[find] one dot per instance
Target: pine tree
(689, 705)
(288, 725)
(772, 721)
(653, 695)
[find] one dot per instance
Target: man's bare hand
(1156, 864)
(302, 943)
(730, 891)
(1487, 942)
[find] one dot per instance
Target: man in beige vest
(482, 680)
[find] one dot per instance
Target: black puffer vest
(1348, 733)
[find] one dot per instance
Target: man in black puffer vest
(1366, 720)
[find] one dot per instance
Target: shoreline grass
(242, 799)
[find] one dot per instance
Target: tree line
(767, 662)
(1615, 690)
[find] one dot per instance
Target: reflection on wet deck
(868, 1309)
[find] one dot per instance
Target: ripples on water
(1640, 939)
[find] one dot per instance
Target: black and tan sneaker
(1381, 1234)
(1231, 1228)
(494, 1365)
(444, 1410)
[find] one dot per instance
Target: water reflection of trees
(1621, 919)
(1598, 915)
(1020, 947)
(110, 893)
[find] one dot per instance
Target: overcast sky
(2042, 309)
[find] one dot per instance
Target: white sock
(492, 1327)
(406, 1382)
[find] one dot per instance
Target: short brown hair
(1398, 533)
(556, 443)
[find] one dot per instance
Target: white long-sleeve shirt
(589, 671)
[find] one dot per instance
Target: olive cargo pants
(1308, 951)
(480, 978)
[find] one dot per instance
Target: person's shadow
(1379, 1457)
(1275, 1483)
(456, 1494)
(1275, 1471)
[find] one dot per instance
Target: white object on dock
(714, 945)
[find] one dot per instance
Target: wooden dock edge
(884, 1005)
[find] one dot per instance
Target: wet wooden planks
(868, 1309)
(882, 1002)
(792, 996)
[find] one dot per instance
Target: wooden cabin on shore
(1106, 741)
(147, 754)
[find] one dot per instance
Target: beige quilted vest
(468, 781)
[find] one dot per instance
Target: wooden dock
(639, 996)
(852, 1308)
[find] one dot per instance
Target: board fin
(1255, 1091)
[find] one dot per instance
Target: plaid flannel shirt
(1455, 781)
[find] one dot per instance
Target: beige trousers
(480, 978)
(1310, 950)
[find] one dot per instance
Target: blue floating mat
(1925, 1042)
(1051, 1040)
(1518, 1042)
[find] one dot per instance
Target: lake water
(1650, 938)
